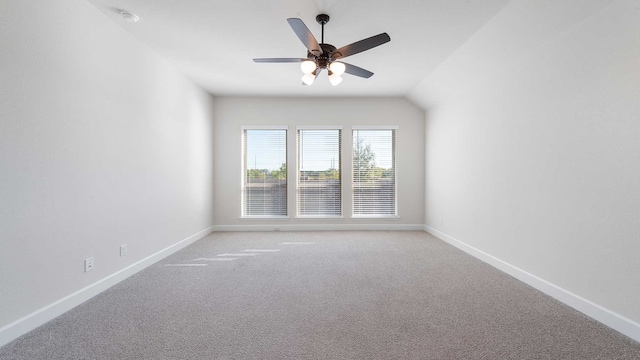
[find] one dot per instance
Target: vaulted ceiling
(213, 42)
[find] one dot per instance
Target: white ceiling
(213, 41)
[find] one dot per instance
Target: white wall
(232, 113)
(533, 147)
(102, 143)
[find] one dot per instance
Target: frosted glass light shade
(337, 68)
(308, 78)
(335, 79)
(308, 66)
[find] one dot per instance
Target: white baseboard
(612, 319)
(321, 227)
(41, 316)
(23, 325)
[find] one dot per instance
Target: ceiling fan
(324, 56)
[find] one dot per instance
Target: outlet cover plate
(89, 264)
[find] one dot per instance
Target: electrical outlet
(441, 221)
(89, 264)
(123, 250)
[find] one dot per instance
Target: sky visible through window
(265, 152)
(381, 143)
(319, 150)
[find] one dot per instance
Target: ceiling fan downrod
(322, 19)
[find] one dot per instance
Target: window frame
(297, 193)
(395, 130)
(243, 171)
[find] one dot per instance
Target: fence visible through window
(374, 172)
(265, 172)
(319, 172)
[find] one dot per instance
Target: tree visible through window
(265, 172)
(374, 177)
(319, 175)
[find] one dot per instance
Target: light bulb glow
(308, 78)
(337, 68)
(335, 79)
(308, 66)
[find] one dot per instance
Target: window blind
(319, 175)
(374, 172)
(265, 172)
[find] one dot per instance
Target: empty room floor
(321, 295)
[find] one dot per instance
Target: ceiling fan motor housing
(326, 58)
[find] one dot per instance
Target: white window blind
(319, 175)
(265, 172)
(374, 172)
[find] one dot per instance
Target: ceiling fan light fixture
(335, 79)
(308, 66)
(308, 78)
(337, 68)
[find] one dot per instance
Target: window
(374, 172)
(319, 175)
(264, 191)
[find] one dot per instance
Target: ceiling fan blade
(278, 60)
(305, 36)
(360, 46)
(357, 71)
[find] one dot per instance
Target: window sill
(321, 217)
(375, 217)
(263, 217)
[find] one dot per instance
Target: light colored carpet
(342, 295)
